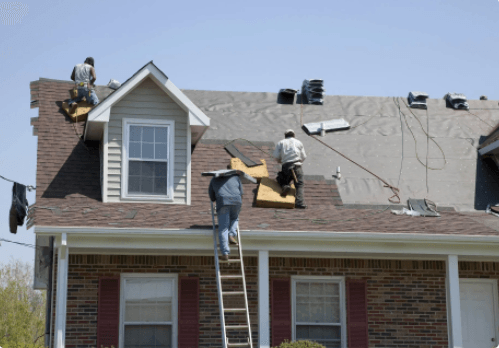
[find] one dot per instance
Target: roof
(68, 173)
(379, 139)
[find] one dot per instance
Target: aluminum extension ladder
(221, 293)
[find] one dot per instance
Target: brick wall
(85, 270)
(406, 299)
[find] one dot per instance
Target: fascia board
(287, 235)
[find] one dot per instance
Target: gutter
(283, 235)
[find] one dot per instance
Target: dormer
(146, 128)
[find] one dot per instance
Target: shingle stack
(417, 100)
(457, 101)
(312, 91)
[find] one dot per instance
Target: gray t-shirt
(226, 190)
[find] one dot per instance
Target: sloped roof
(379, 140)
(68, 181)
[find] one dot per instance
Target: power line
(29, 187)
(19, 243)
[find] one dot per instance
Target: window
(148, 159)
(319, 310)
(148, 311)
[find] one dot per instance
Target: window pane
(148, 134)
(148, 169)
(160, 185)
(161, 151)
(160, 169)
(148, 150)
(319, 332)
(302, 288)
(303, 312)
(148, 336)
(316, 289)
(134, 184)
(134, 167)
(332, 289)
(135, 133)
(316, 313)
(134, 150)
(161, 135)
(146, 184)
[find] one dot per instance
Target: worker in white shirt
(291, 153)
(84, 77)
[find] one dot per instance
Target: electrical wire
(29, 187)
(480, 119)
(19, 243)
(397, 103)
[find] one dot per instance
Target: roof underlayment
(379, 139)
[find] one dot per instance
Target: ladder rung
(234, 309)
(232, 293)
(236, 327)
(230, 261)
(231, 276)
(238, 344)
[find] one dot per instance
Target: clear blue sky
(376, 48)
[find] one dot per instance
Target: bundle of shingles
(269, 191)
(312, 91)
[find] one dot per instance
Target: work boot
(300, 206)
(232, 240)
(72, 108)
(224, 257)
(285, 190)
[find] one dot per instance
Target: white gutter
(283, 235)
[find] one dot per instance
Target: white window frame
(332, 279)
(124, 277)
(127, 122)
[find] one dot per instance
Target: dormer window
(148, 150)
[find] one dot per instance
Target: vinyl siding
(147, 101)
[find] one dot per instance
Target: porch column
(263, 300)
(62, 293)
(453, 303)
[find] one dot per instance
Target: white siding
(147, 101)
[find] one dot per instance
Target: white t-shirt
(82, 73)
(290, 150)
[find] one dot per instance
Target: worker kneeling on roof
(291, 153)
(84, 77)
(227, 191)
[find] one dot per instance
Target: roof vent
(483, 97)
(417, 100)
(457, 101)
(312, 91)
(286, 96)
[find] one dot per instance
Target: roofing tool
(224, 285)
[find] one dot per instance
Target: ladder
(232, 293)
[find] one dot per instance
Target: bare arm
(94, 76)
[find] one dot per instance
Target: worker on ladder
(291, 153)
(84, 77)
(227, 191)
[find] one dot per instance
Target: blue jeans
(83, 92)
(228, 217)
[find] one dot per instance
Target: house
(133, 256)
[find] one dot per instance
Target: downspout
(48, 317)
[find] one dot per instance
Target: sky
(359, 47)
